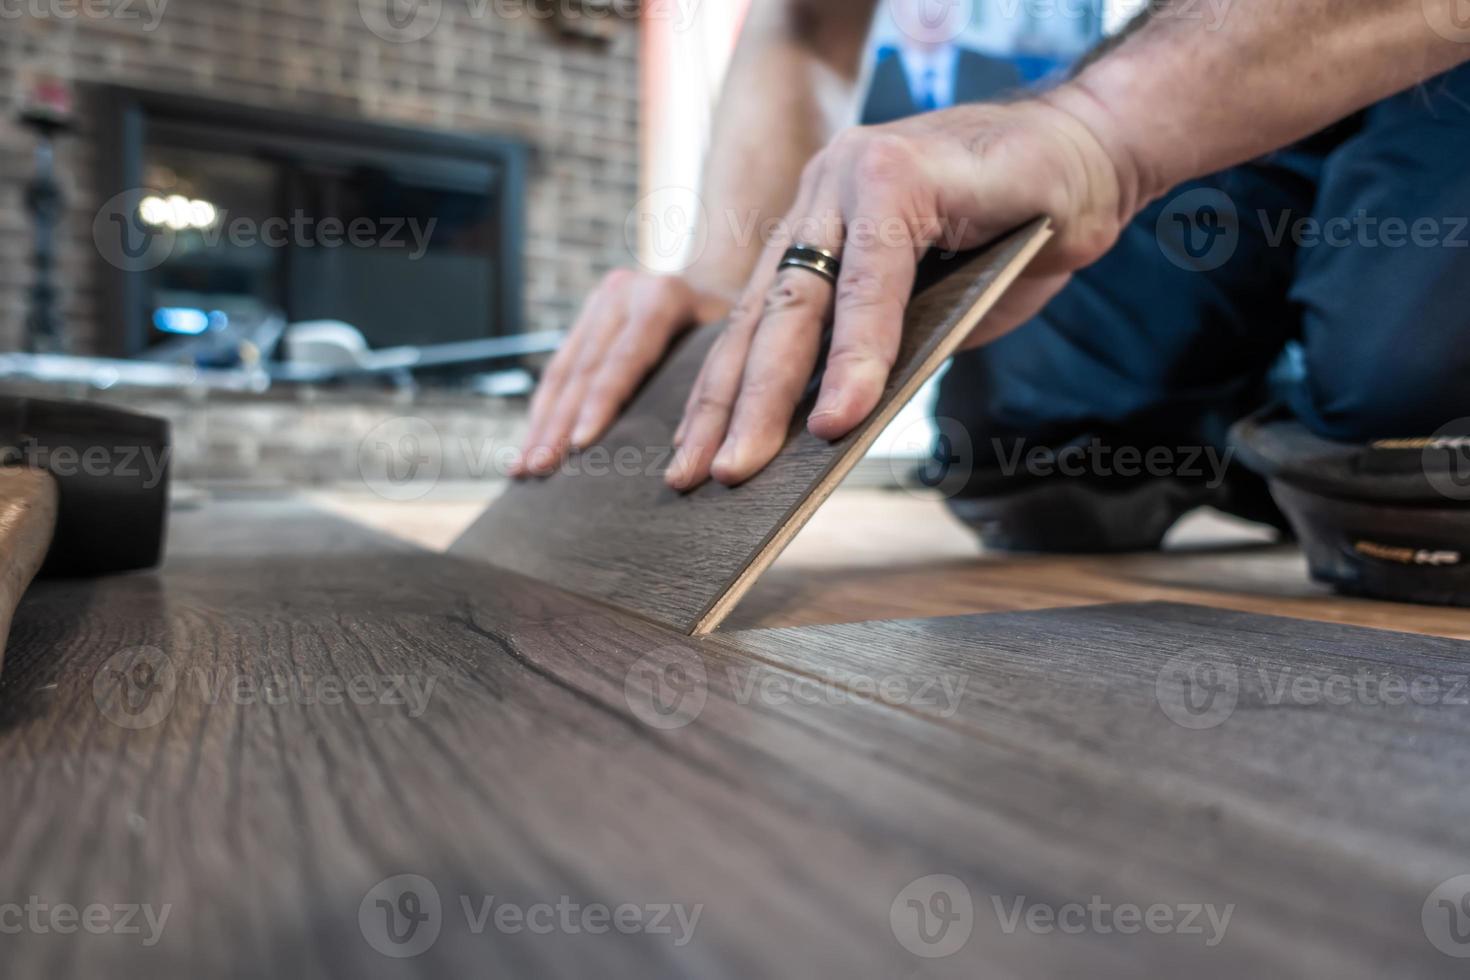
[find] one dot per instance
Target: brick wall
(486, 67)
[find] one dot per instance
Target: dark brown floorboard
(794, 813)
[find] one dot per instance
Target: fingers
(558, 401)
(547, 395)
(872, 293)
(701, 432)
(710, 402)
(659, 309)
(783, 354)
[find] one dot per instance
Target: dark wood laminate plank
(1309, 751)
(606, 526)
(530, 775)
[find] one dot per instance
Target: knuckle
(847, 140)
(746, 310)
(618, 278)
(812, 172)
(662, 302)
(556, 368)
(707, 403)
(790, 292)
(760, 387)
(606, 386)
(860, 287)
(856, 354)
(882, 159)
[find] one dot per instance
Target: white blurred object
(325, 344)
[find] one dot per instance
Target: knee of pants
(1361, 392)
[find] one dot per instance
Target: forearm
(790, 88)
(1178, 99)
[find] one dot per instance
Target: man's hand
(624, 328)
(881, 197)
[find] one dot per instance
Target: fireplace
(413, 237)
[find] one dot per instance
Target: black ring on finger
(812, 259)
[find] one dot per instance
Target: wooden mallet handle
(28, 499)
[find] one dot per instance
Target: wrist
(1092, 99)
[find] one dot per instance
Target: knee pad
(1386, 520)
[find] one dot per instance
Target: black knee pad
(1387, 520)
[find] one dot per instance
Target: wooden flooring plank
(606, 526)
(568, 750)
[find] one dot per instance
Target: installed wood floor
(170, 739)
(873, 554)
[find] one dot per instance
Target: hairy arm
(1197, 86)
(790, 88)
(1200, 85)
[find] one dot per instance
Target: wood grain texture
(876, 554)
(613, 531)
(27, 519)
(793, 813)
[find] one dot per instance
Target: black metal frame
(128, 111)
